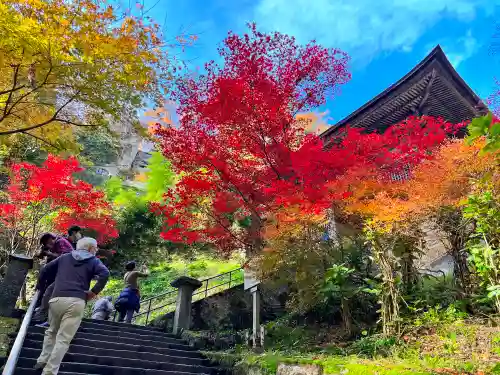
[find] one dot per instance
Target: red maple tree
(48, 197)
(243, 154)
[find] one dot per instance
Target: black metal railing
(165, 302)
(234, 277)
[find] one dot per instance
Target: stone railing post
(186, 286)
(12, 283)
(255, 316)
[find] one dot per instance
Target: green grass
(268, 363)
(7, 326)
(161, 275)
(468, 346)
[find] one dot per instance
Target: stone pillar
(14, 279)
(186, 286)
(255, 315)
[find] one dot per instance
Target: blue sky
(385, 38)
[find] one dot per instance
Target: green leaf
(495, 130)
(479, 127)
(245, 223)
(491, 146)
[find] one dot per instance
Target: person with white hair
(103, 308)
(73, 274)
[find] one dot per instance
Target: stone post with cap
(185, 286)
(12, 283)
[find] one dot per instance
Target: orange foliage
(314, 122)
(291, 222)
(440, 181)
(160, 116)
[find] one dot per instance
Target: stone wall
(228, 310)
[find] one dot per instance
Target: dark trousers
(126, 315)
(43, 308)
(46, 289)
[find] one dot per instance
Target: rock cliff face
(130, 141)
(436, 258)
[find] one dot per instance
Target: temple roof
(433, 88)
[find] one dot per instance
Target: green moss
(7, 327)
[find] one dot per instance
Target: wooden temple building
(433, 88)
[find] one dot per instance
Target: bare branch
(14, 89)
(42, 140)
(46, 122)
(72, 123)
(7, 113)
(14, 83)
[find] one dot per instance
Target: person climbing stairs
(109, 348)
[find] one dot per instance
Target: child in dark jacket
(129, 300)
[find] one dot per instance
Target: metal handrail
(10, 365)
(220, 274)
(159, 295)
(206, 281)
(202, 290)
(202, 280)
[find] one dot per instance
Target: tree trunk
(390, 293)
(22, 296)
(346, 315)
(255, 236)
(409, 272)
(461, 270)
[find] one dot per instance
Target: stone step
(104, 341)
(124, 327)
(116, 324)
(110, 344)
(30, 371)
(111, 371)
(37, 344)
(75, 352)
(113, 366)
(118, 335)
(191, 354)
(122, 362)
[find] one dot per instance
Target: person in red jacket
(52, 247)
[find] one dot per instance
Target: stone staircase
(109, 348)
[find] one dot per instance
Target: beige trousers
(65, 316)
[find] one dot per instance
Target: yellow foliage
(72, 63)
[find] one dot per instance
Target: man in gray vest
(73, 274)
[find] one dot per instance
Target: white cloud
(462, 49)
(364, 28)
